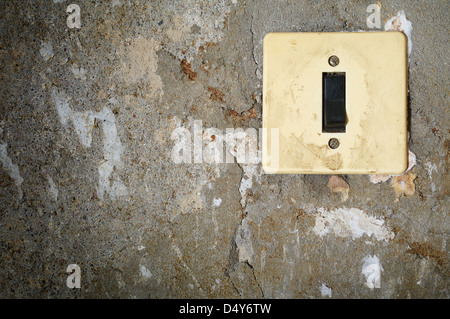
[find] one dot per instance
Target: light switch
(333, 101)
(338, 103)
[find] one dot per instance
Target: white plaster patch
(11, 168)
(325, 291)
(52, 188)
(430, 169)
(244, 243)
(145, 272)
(83, 123)
(250, 171)
(112, 153)
(400, 23)
(217, 202)
(350, 222)
(244, 147)
(46, 50)
(372, 271)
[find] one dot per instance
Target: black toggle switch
(333, 111)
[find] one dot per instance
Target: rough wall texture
(86, 122)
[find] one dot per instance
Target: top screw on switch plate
(333, 60)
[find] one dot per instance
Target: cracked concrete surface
(86, 126)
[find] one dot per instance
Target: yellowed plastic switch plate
(375, 66)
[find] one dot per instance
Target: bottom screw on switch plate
(333, 143)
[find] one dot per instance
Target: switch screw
(333, 60)
(333, 143)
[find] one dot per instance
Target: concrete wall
(88, 178)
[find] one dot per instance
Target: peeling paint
(400, 23)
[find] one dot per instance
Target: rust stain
(421, 249)
(216, 95)
(435, 132)
(187, 69)
(427, 250)
(210, 44)
(239, 117)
